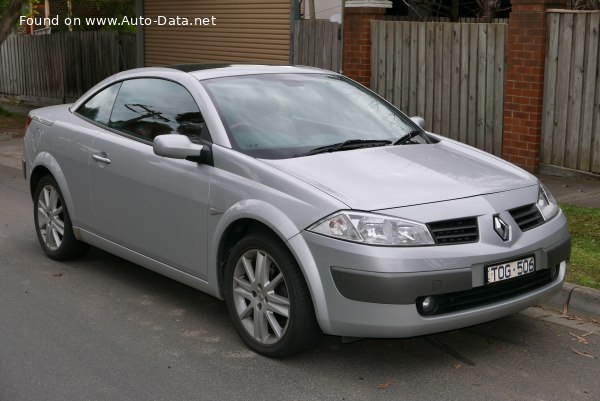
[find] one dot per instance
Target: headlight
(375, 229)
(546, 203)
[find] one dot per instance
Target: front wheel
(53, 224)
(268, 299)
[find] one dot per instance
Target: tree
(10, 11)
(488, 8)
(453, 9)
(583, 4)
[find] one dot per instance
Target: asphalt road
(102, 328)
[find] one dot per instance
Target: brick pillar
(523, 94)
(357, 37)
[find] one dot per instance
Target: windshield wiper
(407, 137)
(347, 145)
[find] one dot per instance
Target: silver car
(305, 201)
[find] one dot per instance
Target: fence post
(523, 92)
(358, 15)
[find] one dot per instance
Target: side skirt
(144, 261)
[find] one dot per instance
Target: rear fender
(45, 159)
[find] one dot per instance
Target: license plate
(509, 270)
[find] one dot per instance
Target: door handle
(101, 159)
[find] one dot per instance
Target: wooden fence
(62, 66)
(429, 18)
(571, 111)
(452, 74)
(318, 44)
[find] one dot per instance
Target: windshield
(277, 116)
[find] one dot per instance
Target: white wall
(324, 9)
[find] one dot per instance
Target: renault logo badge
(501, 228)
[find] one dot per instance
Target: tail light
(27, 122)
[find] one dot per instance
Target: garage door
(245, 31)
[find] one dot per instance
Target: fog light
(428, 305)
(554, 271)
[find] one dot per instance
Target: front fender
(272, 217)
(304, 257)
(253, 209)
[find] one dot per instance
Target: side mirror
(176, 146)
(420, 121)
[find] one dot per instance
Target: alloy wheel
(50, 219)
(260, 296)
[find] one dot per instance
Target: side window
(98, 108)
(147, 107)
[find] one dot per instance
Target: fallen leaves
(385, 385)
(587, 355)
(568, 317)
(581, 339)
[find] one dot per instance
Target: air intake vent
(527, 217)
(457, 231)
(478, 296)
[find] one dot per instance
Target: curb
(578, 300)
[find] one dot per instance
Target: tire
(258, 307)
(53, 224)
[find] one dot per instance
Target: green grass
(584, 225)
(4, 113)
(11, 121)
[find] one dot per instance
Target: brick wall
(523, 95)
(357, 42)
(525, 61)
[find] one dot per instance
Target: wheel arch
(36, 175)
(239, 220)
(45, 164)
(232, 234)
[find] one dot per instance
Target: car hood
(395, 176)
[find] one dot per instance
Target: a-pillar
(358, 15)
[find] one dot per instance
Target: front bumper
(367, 291)
(405, 288)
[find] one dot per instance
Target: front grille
(527, 217)
(457, 301)
(456, 231)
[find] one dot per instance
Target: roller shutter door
(245, 31)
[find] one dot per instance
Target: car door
(73, 144)
(150, 204)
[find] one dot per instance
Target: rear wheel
(53, 224)
(268, 299)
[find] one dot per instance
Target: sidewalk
(572, 190)
(566, 190)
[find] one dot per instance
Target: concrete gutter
(577, 300)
